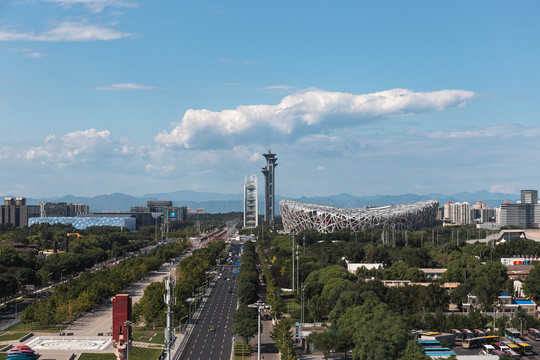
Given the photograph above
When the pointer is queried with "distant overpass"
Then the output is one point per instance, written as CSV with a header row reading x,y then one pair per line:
x,y
531,234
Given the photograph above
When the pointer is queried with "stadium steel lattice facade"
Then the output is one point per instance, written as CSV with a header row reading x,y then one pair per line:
x,y
297,216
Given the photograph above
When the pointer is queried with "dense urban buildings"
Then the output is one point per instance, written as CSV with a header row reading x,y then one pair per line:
x,y
170,212
269,186
525,214
251,202
15,211
297,216
463,213
51,209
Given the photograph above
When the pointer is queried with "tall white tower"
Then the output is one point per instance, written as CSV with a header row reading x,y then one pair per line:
x,y
251,202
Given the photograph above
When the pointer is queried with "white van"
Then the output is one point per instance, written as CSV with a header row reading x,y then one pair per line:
x,y
487,349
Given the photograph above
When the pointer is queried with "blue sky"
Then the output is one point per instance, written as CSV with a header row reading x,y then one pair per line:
x,y
385,97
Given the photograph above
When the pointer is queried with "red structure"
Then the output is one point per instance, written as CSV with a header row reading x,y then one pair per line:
x,y
121,314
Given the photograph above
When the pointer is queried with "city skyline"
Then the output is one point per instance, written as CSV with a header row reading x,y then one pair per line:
x,y
363,98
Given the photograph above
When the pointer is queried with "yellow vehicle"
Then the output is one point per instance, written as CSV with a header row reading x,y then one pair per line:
x,y
525,349
491,339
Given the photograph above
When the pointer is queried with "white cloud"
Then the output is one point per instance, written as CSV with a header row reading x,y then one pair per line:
x,y
303,113
67,31
279,87
78,147
494,131
30,53
124,87
94,5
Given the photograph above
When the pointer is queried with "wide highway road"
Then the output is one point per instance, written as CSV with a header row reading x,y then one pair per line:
x,y
211,337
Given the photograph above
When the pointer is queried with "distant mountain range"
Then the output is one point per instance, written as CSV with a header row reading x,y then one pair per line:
x,y
221,203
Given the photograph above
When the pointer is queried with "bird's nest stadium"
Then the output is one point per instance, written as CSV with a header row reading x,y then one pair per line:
x,y
297,216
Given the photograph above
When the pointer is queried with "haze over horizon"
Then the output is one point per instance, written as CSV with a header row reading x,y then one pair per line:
x,y
357,97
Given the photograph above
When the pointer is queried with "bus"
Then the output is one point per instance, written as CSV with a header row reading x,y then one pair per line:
x,y
515,347
467,334
474,343
458,334
430,343
479,333
533,334
512,354
487,349
500,346
490,339
428,350
525,349
512,334
443,354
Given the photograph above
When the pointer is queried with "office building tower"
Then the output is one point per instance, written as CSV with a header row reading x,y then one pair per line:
x,y
526,214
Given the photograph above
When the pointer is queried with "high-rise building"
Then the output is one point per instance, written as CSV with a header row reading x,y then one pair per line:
x,y
16,212
170,212
526,214
57,209
269,188
251,202
529,196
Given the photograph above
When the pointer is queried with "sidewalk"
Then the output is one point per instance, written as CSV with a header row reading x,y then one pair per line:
x,y
268,347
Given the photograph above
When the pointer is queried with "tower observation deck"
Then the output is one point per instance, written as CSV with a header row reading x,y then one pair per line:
x,y
269,189
251,202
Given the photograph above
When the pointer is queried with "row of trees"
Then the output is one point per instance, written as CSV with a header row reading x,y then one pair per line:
x,y
75,253
83,293
245,318
373,320
190,275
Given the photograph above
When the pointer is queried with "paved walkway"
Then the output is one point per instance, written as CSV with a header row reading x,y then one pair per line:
x,y
269,350
100,321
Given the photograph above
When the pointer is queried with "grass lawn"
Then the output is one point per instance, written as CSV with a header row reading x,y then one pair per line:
x,y
136,353
8,335
241,351
91,356
3,356
152,336
29,328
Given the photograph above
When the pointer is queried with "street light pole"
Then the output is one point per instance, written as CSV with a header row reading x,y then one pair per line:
x,y
259,306
259,337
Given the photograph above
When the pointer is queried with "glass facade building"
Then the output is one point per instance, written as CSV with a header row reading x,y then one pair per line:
x,y
82,223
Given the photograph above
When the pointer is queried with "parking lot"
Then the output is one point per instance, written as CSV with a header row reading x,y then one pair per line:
x,y
459,350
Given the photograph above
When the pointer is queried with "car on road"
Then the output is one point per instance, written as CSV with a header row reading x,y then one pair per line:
x,y
212,328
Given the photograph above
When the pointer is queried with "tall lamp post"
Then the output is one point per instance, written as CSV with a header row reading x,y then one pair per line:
x,y
156,215
259,306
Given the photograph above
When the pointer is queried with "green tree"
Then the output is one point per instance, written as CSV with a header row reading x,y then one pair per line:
x,y
281,334
489,283
323,341
531,286
245,322
414,351
8,256
8,285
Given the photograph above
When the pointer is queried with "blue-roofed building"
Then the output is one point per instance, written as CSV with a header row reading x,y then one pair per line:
x,y
81,223
508,305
